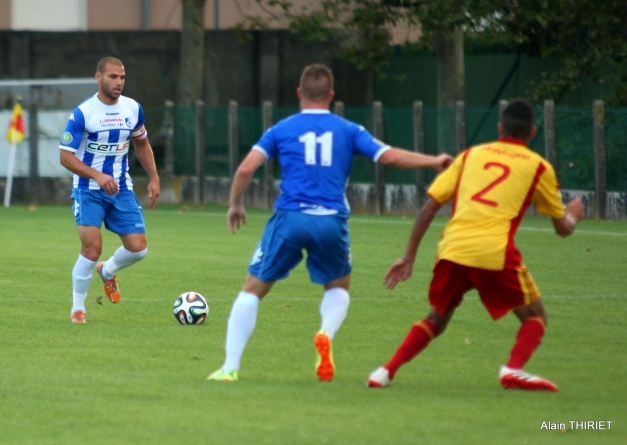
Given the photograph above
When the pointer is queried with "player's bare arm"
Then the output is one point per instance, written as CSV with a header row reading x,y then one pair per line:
x,y
402,269
146,158
575,212
241,181
405,159
76,166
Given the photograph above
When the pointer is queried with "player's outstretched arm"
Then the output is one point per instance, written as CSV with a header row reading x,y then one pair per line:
x,y
575,212
402,269
405,159
146,158
241,181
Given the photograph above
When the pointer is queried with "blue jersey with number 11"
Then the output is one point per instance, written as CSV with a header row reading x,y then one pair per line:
x,y
315,149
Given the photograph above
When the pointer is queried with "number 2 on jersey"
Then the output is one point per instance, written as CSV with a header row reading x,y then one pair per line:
x,y
479,195
326,147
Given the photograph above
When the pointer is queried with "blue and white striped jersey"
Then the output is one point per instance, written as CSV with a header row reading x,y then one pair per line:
x,y
315,149
99,135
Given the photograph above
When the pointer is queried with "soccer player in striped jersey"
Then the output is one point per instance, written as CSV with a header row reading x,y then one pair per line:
x,y
315,149
95,147
491,187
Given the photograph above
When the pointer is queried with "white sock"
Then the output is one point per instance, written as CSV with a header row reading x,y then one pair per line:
x,y
81,279
333,310
239,329
121,258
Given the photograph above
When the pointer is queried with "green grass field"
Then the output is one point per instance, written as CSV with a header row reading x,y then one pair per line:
x,y
133,375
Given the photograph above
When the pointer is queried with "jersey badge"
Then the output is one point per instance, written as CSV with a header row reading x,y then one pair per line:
x,y
128,122
67,138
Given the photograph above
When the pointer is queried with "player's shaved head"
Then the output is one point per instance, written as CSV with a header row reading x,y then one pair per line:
x,y
102,65
517,120
316,82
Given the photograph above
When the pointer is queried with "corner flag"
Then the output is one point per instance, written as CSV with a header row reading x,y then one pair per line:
x,y
15,134
16,130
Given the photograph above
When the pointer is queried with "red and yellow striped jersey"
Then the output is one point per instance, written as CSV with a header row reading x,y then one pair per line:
x,y
492,185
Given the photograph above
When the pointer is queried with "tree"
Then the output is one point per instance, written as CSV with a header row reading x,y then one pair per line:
x,y
192,52
588,36
438,22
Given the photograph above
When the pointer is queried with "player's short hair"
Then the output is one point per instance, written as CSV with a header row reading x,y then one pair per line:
x,y
316,82
102,64
517,119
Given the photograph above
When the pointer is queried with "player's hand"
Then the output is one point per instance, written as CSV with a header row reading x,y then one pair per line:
x,y
442,162
107,183
400,271
576,209
237,214
154,190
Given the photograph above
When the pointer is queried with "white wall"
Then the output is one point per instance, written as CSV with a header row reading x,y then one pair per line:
x,y
49,15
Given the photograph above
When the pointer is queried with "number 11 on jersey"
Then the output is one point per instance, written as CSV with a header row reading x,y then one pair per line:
x,y
310,141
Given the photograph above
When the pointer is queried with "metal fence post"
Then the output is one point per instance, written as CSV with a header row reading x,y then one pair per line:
x,y
233,138
168,128
33,130
460,126
600,162
550,133
419,147
338,108
379,169
199,109
267,119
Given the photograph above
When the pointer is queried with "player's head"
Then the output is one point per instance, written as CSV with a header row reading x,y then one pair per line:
x,y
102,64
517,121
110,76
316,84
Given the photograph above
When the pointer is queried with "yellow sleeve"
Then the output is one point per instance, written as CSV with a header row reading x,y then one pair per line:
x,y
547,197
443,187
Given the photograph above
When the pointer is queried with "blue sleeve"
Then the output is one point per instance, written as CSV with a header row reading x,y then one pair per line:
x,y
267,143
74,129
366,144
140,117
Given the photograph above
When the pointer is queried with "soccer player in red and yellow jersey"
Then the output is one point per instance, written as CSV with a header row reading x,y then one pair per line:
x,y
491,186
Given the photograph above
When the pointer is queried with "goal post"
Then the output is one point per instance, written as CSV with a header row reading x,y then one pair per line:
x,y
47,104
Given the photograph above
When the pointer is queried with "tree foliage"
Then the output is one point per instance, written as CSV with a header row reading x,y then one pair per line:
x,y
588,36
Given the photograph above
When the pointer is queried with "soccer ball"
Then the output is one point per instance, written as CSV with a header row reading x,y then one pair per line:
x,y
191,308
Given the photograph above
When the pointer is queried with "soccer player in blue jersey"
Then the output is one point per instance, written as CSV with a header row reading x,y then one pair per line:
x,y
95,148
315,149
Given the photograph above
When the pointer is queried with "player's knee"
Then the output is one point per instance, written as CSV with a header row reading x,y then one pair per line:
x,y
440,327
439,321
92,253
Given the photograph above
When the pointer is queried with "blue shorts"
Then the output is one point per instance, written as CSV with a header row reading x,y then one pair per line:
x,y
288,233
121,213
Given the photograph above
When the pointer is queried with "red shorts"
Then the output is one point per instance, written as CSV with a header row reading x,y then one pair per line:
x,y
500,290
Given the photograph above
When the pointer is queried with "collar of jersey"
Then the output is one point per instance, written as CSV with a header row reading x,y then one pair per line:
x,y
104,105
315,111
512,141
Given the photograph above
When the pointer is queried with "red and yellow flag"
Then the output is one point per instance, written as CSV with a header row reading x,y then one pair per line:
x,y
16,130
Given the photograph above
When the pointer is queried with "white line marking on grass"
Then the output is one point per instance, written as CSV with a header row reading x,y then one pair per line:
x,y
409,221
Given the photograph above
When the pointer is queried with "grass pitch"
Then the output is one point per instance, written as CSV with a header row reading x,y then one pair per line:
x,y
133,375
